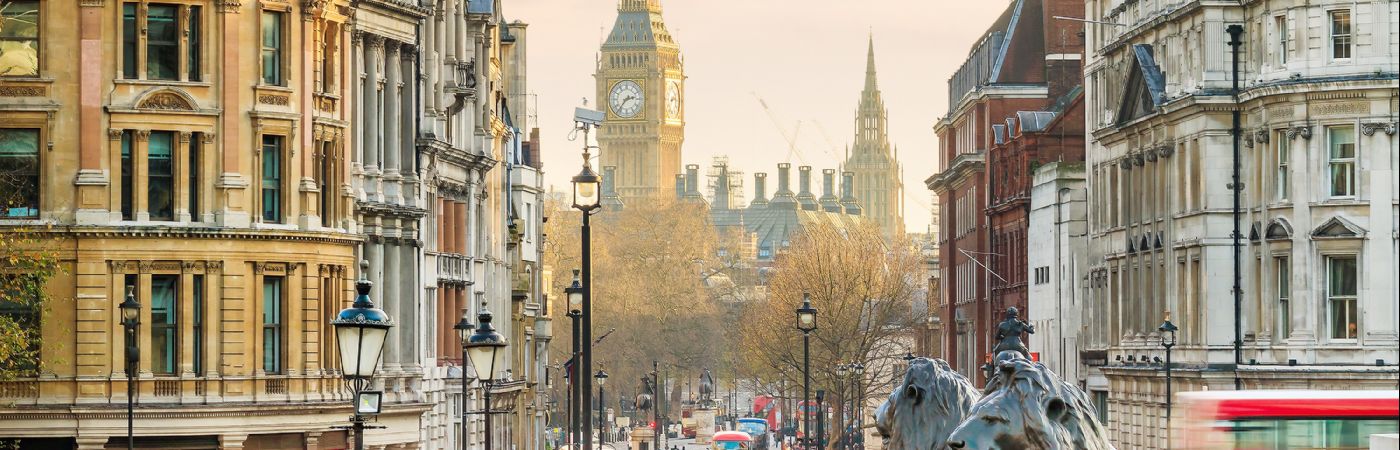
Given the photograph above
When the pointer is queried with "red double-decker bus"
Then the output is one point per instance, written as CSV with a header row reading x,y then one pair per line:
x,y
1286,419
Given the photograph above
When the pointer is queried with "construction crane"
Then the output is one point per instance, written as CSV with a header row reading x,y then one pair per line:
x,y
832,150
791,138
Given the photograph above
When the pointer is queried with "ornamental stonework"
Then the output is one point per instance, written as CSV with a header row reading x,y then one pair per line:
x,y
23,91
1334,109
274,99
166,101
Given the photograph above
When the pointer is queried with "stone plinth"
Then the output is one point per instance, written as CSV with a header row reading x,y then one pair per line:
x,y
641,439
704,425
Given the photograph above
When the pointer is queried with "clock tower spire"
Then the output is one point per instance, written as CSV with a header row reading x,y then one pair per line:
x,y
641,89
879,185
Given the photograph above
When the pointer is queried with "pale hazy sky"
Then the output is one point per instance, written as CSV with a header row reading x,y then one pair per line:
x,y
805,58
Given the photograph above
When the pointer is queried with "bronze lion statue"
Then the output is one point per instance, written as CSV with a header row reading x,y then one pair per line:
x,y
924,409
1028,407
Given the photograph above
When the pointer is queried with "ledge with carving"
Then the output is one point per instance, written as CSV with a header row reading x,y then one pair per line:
x,y
25,87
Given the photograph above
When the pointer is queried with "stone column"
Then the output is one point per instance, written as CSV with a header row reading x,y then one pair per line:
x,y
408,297
448,41
408,63
390,293
388,129
370,106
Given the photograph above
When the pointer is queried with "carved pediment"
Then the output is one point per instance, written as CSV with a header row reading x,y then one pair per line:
x,y
1254,231
1278,229
1338,227
167,99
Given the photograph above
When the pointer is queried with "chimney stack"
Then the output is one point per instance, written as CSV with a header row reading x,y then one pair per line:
x,y
680,185
804,184
829,202
760,186
783,197
848,197
692,180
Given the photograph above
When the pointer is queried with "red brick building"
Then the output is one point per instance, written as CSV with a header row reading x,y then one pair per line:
x,y
1024,62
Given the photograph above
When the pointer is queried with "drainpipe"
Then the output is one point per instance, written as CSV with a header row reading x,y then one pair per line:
x,y
1235,186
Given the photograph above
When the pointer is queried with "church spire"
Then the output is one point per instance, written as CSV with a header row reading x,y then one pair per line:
x,y
870,65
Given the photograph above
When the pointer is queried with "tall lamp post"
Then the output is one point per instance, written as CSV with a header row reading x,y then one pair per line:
x,y
821,420
602,377
464,329
841,371
858,370
575,294
131,321
1168,332
360,331
586,200
806,323
656,406
483,346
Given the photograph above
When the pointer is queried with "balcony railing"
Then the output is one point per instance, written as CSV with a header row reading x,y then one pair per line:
x,y
452,267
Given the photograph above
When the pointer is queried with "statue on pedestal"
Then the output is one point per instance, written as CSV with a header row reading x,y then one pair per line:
x,y
1009,334
707,388
648,393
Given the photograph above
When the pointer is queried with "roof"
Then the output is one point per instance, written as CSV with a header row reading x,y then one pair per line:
x,y
1033,121
480,6
1151,74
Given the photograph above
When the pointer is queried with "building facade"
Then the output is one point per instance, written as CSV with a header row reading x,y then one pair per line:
x,y
1316,210
255,154
879,180
1009,69
207,171
641,89
1056,259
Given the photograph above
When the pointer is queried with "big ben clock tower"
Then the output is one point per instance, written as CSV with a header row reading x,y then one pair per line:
x,y
641,88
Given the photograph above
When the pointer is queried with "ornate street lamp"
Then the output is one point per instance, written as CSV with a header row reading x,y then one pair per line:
x,y
575,294
586,199
483,348
464,329
806,323
361,330
602,377
858,370
131,322
842,370
1168,333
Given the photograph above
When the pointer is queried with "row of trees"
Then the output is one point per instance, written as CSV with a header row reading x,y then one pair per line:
x,y
669,286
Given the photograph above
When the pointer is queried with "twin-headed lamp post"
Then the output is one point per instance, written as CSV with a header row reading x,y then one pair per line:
x,y
361,330
806,323
587,200
483,346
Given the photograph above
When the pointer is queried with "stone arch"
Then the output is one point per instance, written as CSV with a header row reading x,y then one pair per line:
x,y
1279,229
164,98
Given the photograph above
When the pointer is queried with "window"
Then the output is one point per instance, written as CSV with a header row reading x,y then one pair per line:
x,y
1281,37
1281,156
197,307
1042,275
1341,34
160,175
272,48
1342,160
272,325
20,306
272,179
161,41
19,172
19,38
1341,296
1282,271
128,189
165,326
192,171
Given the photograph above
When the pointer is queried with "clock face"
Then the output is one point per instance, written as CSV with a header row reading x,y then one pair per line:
x,y
625,99
673,99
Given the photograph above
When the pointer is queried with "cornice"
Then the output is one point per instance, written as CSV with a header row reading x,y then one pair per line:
x,y
182,232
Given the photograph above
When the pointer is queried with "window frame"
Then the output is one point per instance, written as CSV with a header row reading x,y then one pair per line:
x,y
280,185
1283,158
171,327
1283,292
1332,35
276,355
38,40
190,26
1281,40
1332,299
171,178
280,52
38,174
1349,162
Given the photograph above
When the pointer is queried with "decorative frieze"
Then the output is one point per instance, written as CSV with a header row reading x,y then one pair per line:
x,y
1334,109
274,99
168,101
23,91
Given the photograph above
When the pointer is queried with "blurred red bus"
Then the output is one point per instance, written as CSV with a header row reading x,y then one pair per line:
x,y
1286,419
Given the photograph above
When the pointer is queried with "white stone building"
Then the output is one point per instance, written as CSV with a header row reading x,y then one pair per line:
x,y
1318,102
1056,257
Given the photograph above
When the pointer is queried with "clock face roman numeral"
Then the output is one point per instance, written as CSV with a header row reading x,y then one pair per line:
x,y
626,99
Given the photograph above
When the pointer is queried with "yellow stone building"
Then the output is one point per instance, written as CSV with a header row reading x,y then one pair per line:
x,y
196,152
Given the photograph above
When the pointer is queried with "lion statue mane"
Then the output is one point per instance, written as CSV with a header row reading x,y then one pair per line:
x,y
1026,407
924,409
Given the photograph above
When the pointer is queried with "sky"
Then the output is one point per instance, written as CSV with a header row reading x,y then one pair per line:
x,y
805,58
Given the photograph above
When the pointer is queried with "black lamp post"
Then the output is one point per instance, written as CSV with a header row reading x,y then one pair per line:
x,y
131,321
1168,332
602,377
842,419
821,421
586,199
806,323
575,294
464,329
361,330
484,347
656,426
859,370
